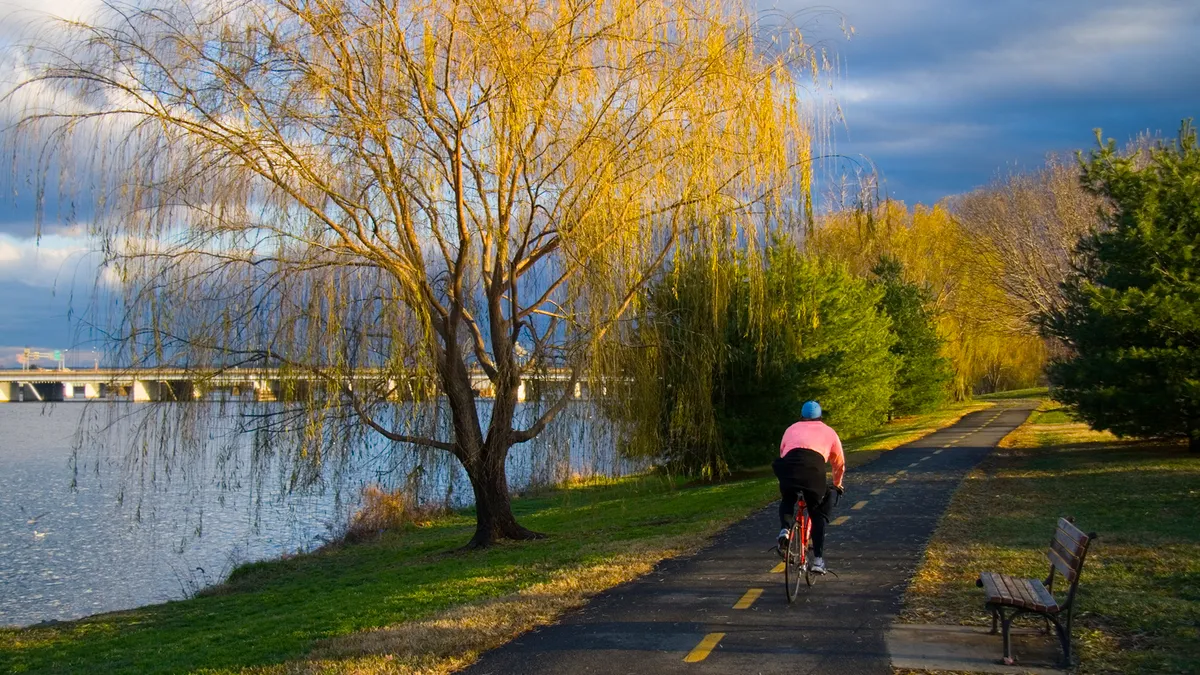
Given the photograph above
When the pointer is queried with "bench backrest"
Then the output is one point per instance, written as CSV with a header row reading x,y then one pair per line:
x,y
1067,550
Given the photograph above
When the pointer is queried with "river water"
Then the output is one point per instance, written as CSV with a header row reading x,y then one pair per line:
x,y
81,534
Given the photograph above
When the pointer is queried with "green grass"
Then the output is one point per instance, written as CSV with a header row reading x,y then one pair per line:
x,y
408,595
1139,594
273,612
1052,413
1033,392
907,429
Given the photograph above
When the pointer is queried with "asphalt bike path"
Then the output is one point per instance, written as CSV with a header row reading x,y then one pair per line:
x,y
723,609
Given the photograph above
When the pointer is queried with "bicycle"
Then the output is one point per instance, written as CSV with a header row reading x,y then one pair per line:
x,y
797,559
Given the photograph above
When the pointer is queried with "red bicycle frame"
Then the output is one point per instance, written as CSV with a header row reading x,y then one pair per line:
x,y
805,529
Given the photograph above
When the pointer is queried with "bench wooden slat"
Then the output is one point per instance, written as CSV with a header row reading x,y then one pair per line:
x,y
1033,598
994,586
1028,593
1070,555
989,586
1015,593
1072,538
1064,568
1069,528
1045,597
1069,543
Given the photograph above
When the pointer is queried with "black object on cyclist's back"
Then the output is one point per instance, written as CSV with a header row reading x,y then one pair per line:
x,y
803,471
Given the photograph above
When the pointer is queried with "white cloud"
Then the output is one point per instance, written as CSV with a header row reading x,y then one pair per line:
x,y
54,262
21,18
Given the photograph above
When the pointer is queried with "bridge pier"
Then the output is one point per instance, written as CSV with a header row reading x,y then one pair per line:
x,y
10,392
90,389
266,390
144,391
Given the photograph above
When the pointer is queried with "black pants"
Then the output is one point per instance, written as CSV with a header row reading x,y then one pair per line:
x,y
818,512
802,472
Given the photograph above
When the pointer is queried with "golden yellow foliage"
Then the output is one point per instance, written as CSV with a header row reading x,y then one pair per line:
x,y
986,340
392,200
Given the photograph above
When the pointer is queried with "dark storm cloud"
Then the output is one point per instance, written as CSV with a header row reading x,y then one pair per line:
x,y
944,95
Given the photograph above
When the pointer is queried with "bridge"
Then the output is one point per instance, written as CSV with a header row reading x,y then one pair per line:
x,y
177,384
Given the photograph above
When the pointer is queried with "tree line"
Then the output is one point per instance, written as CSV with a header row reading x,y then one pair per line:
x,y
1079,274
620,189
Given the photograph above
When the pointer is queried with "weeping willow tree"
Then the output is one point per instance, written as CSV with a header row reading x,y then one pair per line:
x,y
399,199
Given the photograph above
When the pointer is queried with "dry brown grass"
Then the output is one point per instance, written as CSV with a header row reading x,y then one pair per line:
x,y
455,638
1136,611
383,510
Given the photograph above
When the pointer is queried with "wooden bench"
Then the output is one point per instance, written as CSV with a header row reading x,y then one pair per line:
x,y
1010,597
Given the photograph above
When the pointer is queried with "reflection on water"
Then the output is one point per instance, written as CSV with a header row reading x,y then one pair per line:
x,y
120,539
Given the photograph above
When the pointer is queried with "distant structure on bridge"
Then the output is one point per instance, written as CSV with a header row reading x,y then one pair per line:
x,y
27,357
166,384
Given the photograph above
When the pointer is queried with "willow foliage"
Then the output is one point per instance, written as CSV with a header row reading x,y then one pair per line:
x,y
399,199
735,367
987,342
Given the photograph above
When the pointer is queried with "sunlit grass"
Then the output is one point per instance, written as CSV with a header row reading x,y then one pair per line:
x,y
907,429
410,602
1032,392
1139,597
405,586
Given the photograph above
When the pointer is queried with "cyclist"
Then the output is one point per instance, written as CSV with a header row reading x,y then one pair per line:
x,y
806,446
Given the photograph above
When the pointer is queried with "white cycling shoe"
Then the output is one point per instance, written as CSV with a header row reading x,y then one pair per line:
x,y
783,539
818,566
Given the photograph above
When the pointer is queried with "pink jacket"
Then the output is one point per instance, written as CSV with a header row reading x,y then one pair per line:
x,y
819,437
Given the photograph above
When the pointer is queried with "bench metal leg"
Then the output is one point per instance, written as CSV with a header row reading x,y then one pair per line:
x,y
1064,637
995,621
1064,640
1005,626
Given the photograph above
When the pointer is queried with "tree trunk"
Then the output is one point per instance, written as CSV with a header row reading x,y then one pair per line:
x,y
494,519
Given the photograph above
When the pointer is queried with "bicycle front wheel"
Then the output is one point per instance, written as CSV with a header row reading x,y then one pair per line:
x,y
795,565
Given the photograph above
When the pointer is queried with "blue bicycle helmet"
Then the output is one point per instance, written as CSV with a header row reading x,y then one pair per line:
x,y
810,411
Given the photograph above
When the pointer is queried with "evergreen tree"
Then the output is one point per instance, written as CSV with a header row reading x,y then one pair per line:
x,y
822,338
733,361
923,374
1132,307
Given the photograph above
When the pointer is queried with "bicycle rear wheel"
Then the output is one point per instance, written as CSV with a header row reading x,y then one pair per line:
x,y
795,565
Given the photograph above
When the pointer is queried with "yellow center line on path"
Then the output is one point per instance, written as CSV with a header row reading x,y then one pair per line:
x,y
703,649
938,452
890,480
876,492
858,506
923,458
912,465
748,599
839,520
777,569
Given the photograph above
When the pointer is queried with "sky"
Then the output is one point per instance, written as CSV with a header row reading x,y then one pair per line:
x,y
939,96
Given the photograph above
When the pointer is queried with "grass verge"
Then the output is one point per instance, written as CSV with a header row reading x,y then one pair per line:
x,y
1032,392
907,429
403,604
1139,595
